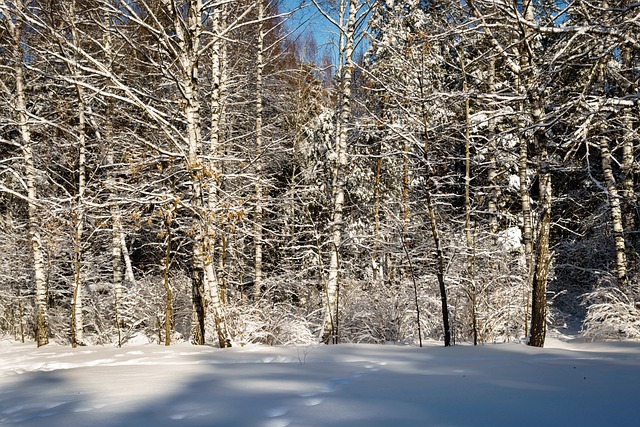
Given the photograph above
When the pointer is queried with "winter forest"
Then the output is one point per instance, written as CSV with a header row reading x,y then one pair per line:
x,y
214,171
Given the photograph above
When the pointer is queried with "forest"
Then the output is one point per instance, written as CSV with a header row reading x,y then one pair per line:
x,y
208,171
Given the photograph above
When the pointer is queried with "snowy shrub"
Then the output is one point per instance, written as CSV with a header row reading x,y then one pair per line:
x,y
12,316
145,305
503,315
373,315
378,312
274,325
612,314
276,318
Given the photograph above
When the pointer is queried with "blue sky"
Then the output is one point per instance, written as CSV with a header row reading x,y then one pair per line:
x,y
325,33
310,20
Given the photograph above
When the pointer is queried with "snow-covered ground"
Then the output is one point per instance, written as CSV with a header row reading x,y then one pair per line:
x,y
564,384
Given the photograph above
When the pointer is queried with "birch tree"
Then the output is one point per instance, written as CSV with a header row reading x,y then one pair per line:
x,y
181,42
14,26
604,94
258,219
532,90
346,26
69,14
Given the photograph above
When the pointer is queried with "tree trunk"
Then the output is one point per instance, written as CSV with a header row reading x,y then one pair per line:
x,y
433,222
14,25
472,292
188,38
198,305
628,148
168,310
330,328
526,82
216,146
527,227
114,209
77,319
131,278
258,216
77,324
116,266
441,268
628,184
543,258
492,174
405,187
530,81
203,275
616,212
377,261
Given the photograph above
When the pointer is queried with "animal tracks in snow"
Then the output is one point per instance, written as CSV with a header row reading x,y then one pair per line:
x,y
313,401
276,419
276,412
276,415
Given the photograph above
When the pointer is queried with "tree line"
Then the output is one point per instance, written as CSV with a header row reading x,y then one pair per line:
x,y
198,170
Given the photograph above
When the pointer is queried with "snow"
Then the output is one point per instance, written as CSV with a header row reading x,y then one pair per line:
x,y
565,383
510,239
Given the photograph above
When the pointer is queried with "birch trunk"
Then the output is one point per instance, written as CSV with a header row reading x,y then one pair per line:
x,y
525,81
258,227
14,24
118,242
405,187
116,266
527,227
472,291
615,199
168,310
628,148
542,260
131,278
492,174
77,319
217,101
77,325
189,44
203,274
377,263
616,212
216,235
42,315
215,286
117,234
628,184
330,329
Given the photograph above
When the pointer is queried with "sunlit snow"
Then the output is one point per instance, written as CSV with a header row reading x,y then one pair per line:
x,y
564,384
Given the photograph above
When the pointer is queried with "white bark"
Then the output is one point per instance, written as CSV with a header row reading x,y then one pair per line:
x,y
116,265
330,328
118,241
11,16
77,319
616,212
258,227
492,175
628,184
628,146
203,270
525,73
125,255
